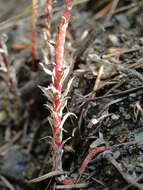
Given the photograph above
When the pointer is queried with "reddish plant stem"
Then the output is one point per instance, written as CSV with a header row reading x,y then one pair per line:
x,y
48,14
84,165
34,32
89,157
48,17
7,66
70,181
61,35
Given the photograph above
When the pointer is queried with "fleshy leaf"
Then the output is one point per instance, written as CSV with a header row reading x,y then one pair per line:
x,y
65,118
47,70
68,87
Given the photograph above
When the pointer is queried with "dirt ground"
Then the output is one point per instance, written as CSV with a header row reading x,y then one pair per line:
x,y
105,43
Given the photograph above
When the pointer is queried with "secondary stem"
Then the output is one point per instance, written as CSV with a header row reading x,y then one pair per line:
x,y
61,36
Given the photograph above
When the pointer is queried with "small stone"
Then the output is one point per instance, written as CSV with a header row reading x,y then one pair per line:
x,y
113,39
3,115
97,142
140,146
128,86
127,117
18,165
115,117
123,20
133,95
94,121
121,109
116,154
131,168
139,136
141,41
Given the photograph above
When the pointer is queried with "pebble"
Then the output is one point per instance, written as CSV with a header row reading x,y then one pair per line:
x,y
115,117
